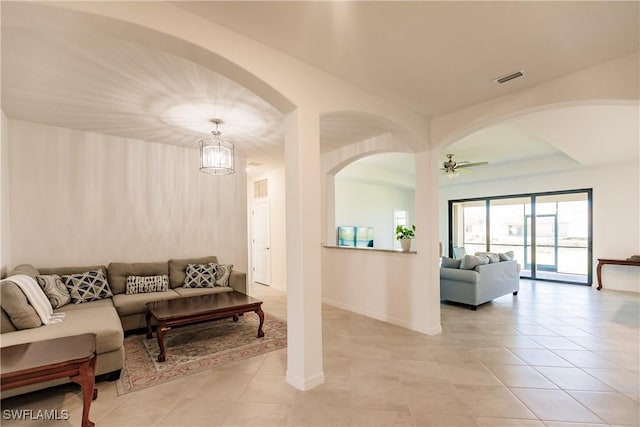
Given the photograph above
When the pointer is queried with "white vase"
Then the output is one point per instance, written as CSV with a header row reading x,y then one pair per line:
x,y
406,245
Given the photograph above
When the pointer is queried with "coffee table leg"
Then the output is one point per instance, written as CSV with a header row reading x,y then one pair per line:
x,y
260,314
161,329
148,318
86,379
235,317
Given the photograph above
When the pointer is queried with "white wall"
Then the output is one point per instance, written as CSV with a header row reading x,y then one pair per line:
x,y
80,198
400,288
371,205
5,243
275,179
616,211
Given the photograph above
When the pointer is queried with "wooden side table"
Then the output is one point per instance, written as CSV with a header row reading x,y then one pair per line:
x,y
603,261
73,357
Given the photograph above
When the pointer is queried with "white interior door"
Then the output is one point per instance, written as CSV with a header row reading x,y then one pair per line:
x,y
261,242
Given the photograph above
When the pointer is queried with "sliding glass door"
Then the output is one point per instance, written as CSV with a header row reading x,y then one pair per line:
x,y
562,237
507,228
549,233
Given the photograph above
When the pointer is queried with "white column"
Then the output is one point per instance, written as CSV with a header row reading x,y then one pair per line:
x,y
427,289
303,202
329,208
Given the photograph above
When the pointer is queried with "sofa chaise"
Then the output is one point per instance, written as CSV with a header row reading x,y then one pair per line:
x,y
108,318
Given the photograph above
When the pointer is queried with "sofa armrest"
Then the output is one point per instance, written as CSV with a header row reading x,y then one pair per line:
x,y
458,275
238,281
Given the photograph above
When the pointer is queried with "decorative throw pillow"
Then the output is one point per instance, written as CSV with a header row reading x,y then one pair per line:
x,y
88,286
200,276
146,284
469,262
54,289
450,262
507,256
493,258
222,272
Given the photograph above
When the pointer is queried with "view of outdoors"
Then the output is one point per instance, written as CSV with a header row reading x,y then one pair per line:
x,y
549,234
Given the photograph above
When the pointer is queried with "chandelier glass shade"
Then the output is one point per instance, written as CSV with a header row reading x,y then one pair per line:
x,y
216,155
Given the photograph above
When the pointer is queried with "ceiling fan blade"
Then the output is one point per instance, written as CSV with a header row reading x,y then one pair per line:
x,y
472,164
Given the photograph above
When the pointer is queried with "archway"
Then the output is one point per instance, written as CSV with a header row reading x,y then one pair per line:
x,y
558,147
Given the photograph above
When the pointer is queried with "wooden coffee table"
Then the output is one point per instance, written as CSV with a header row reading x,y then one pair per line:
x,y
31,363
183,311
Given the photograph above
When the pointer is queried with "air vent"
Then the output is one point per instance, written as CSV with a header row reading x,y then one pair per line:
x,y
510,76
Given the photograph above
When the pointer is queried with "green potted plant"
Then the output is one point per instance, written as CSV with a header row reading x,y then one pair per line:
x,y
405,234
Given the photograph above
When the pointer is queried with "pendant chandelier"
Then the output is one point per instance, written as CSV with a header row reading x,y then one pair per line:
x,y
216,155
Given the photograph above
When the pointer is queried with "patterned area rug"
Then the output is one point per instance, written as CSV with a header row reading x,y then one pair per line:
x,y
194,348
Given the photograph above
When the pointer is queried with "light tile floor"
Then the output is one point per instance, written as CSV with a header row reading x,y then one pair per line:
x,y
555,355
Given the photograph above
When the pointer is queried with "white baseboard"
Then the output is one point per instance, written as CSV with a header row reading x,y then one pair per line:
x,y
398,322
305,384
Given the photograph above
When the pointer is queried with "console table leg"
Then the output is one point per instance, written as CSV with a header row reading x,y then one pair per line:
x,y
599,272
86,379
260,314
160,331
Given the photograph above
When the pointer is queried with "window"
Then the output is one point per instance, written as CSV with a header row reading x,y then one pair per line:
x,y
399,218
549,233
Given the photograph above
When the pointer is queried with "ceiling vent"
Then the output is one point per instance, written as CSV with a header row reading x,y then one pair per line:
x,y
510,77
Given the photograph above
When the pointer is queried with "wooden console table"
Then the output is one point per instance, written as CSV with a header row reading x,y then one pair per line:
x,y
31,363
603,261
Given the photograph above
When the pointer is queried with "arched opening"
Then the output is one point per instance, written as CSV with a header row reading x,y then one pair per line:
x,y
547,154
373,195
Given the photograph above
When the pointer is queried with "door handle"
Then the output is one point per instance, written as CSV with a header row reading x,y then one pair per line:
x,y
267,248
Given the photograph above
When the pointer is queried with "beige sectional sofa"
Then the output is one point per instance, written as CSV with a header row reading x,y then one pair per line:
x,y
107,318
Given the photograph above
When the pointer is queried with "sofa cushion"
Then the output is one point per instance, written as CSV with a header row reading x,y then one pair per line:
x,y
55,290
507,256
450,262
135,304
26,269
102,321
493,257
200,276
5,323
146,284
119,271
178,268
469,262
85,306
62,271
15,304
192,292
87,286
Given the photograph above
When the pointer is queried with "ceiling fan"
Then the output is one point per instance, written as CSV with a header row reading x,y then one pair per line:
x,y
451,168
